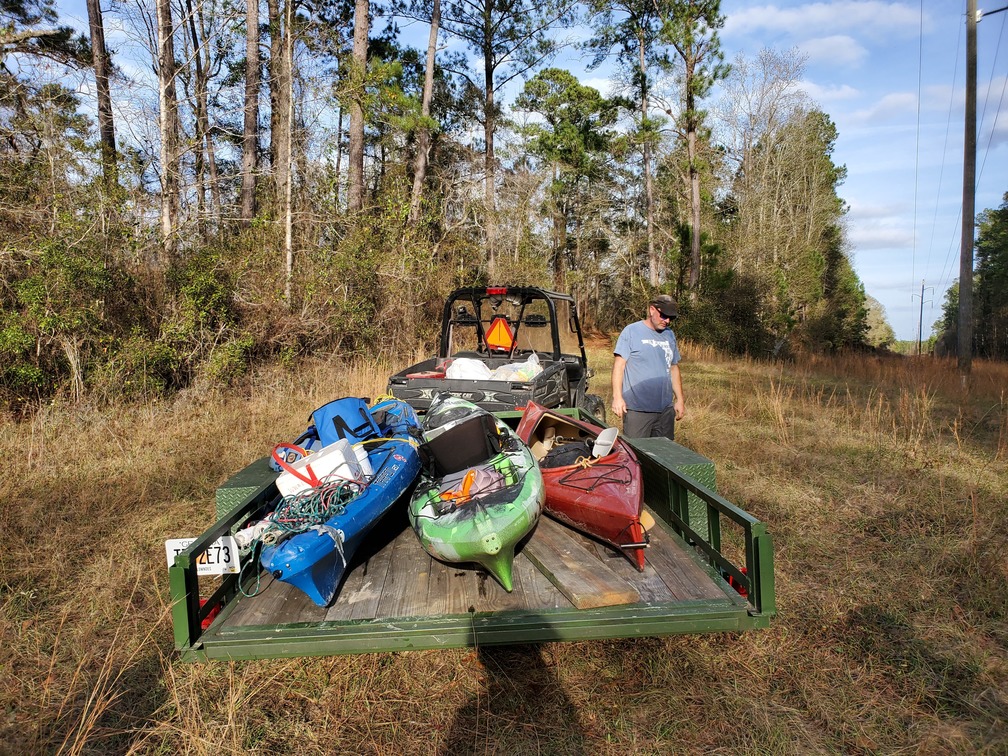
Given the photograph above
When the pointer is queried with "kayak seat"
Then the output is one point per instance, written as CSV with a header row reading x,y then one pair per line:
x,y
466,443
348,418
565,454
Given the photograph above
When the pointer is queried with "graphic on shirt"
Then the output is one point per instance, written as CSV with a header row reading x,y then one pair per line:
x,y
665,346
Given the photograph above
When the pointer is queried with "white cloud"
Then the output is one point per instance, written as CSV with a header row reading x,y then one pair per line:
x,y
861,212
994,136
835,50
993,91
830,93
884,282
941,97
879,226
872,236
869,18
888,108
603,85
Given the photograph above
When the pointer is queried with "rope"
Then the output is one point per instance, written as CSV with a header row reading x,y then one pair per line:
x,y
411,441
308,510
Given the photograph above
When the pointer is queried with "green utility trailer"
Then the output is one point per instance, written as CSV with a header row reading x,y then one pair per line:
x,y
709,569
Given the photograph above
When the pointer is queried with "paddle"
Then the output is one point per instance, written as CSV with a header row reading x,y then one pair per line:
x,y
604,442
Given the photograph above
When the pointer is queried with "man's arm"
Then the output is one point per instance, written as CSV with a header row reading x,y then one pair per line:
x,y
680,402
618,405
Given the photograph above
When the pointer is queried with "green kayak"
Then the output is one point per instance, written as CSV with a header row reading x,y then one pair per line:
x,y
480,490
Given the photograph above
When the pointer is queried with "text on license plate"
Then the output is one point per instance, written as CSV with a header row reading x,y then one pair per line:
x,y
220,557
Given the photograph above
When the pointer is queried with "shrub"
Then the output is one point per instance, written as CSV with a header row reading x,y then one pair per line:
x,y
139,368
231,360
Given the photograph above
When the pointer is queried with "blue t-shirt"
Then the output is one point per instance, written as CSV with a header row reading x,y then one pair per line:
x,y
649,355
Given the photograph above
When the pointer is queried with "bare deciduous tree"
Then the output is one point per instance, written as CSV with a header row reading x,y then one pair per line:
x,y
168,123
250,125
358,73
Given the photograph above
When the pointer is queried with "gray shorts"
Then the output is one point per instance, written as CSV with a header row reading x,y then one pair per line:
x,y
649,424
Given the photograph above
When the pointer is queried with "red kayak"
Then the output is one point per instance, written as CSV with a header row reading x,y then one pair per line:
x,y
598,495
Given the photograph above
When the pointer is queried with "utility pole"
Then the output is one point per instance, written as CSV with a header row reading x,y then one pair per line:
x,y
965,345
920,322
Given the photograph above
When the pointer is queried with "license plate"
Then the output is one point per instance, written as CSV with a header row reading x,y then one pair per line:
x,y
220,558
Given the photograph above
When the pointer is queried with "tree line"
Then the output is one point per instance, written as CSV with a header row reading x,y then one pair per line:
x,y
281,178
990,292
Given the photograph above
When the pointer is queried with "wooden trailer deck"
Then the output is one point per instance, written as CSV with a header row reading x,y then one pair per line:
x,y
402,581
566,585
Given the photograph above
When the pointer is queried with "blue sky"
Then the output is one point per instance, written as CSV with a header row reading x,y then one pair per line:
x,y
891,75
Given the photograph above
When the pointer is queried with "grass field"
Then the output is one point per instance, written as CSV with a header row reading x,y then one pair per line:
x,y
884,483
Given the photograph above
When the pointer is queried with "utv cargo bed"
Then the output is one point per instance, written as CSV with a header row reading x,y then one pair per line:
x,y
484,332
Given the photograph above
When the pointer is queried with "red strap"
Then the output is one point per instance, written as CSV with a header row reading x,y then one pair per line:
x,y
311,479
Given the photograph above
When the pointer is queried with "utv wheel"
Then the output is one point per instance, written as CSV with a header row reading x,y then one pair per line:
x,y
593,404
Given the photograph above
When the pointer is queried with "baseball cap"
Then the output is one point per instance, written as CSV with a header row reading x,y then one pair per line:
x,y
666,305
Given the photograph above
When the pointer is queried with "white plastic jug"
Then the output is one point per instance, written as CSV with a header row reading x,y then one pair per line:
x,y
362,459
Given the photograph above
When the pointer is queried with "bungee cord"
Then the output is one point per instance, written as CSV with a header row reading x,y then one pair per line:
x,y
308,510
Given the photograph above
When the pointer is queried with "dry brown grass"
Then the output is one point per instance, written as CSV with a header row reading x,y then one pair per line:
x,y
883,484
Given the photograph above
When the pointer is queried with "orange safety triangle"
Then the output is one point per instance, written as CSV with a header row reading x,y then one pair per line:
x,y
499,336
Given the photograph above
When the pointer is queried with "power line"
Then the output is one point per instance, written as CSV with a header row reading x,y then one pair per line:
x,y
941,172
920,68
997,112
964,352
965,329
947,274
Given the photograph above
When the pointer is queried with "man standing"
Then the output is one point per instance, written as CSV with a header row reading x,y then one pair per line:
x,y
646,383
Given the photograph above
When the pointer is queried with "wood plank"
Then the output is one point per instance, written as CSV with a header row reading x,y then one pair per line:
x,y
254,610
539,592
275,603
681,573
455,586
649,585
353,584
586,583
365,578
362,602
300,608
437,587
557,568
404,593
491,596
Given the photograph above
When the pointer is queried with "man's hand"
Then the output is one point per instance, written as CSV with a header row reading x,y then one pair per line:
x,y
680,403
618,406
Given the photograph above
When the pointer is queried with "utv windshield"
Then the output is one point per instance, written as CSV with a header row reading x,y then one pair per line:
x,y
510,324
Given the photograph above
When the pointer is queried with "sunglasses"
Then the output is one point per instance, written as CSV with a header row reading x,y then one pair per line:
x,y
662,315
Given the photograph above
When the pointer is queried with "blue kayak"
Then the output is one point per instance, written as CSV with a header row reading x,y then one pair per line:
x,y
315,559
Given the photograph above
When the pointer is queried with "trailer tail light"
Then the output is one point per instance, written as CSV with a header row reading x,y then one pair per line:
x,y
496,291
